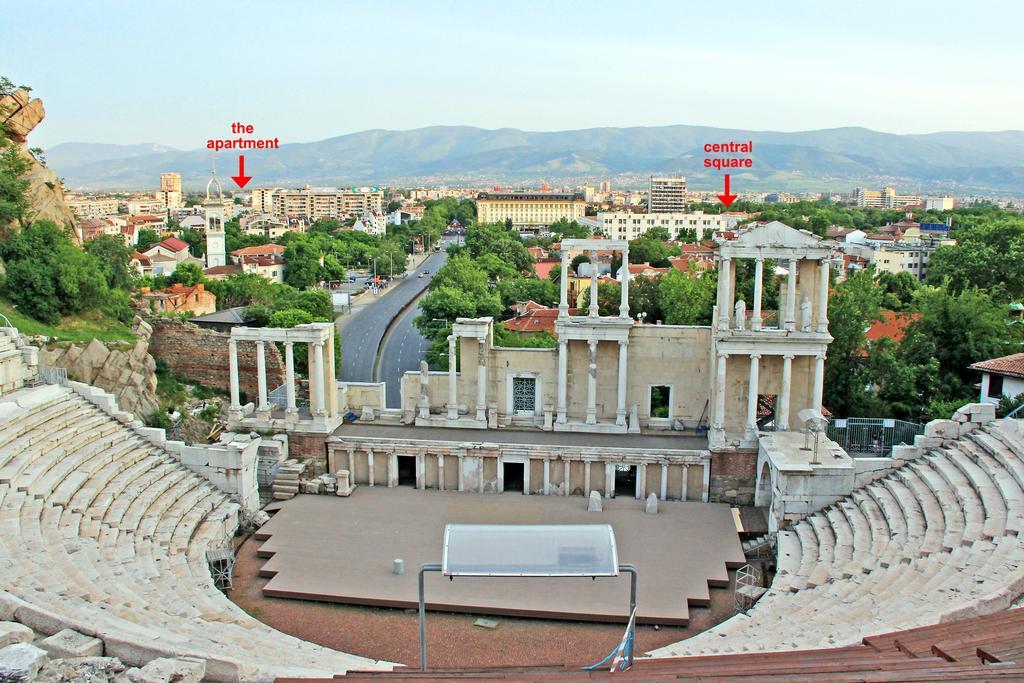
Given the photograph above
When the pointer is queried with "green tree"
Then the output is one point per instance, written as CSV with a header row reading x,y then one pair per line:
x,y
48,276
658,233
686,300
14,204
187,274
853,306
113,259
646,250
302,263
146,239
899,289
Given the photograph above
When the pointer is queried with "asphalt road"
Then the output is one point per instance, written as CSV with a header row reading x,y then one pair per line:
x,y
363,333
403,350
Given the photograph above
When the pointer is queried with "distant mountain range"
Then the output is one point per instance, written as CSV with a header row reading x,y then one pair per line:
x,y
835,159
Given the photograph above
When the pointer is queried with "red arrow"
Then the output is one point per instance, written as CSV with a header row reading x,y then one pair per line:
x,y
242,180
727,198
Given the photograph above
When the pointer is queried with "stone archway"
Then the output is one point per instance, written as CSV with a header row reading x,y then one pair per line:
x,y
763,491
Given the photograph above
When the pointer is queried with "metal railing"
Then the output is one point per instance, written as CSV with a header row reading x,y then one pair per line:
x,y
872,435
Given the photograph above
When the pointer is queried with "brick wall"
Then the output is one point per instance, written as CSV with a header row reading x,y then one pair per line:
x,y
201,355
733,476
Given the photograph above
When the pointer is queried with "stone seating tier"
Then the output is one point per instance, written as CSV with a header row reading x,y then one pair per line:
x,y
935,538
103,533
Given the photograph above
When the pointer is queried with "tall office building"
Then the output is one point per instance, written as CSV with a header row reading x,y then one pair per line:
x,y
667,195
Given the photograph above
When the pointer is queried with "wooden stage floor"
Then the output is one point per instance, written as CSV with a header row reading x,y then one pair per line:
x,y
335,549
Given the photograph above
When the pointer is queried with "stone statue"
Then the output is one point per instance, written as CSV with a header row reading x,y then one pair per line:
x,y
634,419
805,315
424,403
741,314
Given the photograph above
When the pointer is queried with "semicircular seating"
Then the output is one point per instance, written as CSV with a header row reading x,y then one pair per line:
x,y
103,533
934,539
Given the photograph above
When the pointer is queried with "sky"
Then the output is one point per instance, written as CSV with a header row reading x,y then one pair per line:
x,y
179,73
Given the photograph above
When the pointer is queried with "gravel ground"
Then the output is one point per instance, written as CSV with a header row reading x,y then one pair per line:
x,y
452,639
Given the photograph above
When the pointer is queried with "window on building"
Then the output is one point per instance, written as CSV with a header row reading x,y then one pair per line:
x,y
995,386
661,401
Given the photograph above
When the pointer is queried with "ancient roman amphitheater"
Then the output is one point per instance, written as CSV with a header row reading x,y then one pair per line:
x,y
106,528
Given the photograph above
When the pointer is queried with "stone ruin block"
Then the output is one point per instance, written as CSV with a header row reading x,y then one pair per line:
x,y
942,429
68,643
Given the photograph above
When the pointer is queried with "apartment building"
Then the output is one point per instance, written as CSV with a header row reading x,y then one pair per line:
x,y
944,203
146,205
886,198
92,207
666,194
170,182
529,210
315,203
623,225
260,198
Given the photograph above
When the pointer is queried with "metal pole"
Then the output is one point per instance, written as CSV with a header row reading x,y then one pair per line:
x,y
632,606
423,614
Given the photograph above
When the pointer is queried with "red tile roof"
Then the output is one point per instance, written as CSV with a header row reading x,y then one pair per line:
x,y
537,320
173,244
1011,366
544,268
893,325
260,250
223,270
141,258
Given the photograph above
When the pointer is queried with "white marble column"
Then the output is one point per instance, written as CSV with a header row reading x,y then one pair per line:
x,y
592,383
719,422
823,295
563,379
609,480
684,477
289,377
620,402
261,377
624,285
791,294
752,385
421,471
567,471
782,413
440,471
586,477
705,488
724,298
236,401
318,383
663,484
755,320
369,466
593,310
563,286
462,471
481,382
547,476
499,473
526,477
351,464
392,470
819,381
641,481
453,388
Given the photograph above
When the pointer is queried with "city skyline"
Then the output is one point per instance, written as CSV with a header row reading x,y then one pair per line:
x,y
892,68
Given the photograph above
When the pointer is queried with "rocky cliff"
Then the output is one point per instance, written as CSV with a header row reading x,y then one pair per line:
x,y
127,373
19,114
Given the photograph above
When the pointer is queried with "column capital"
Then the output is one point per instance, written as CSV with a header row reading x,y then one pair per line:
x,y
289,344
755,356
788,356
820,356
722,355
